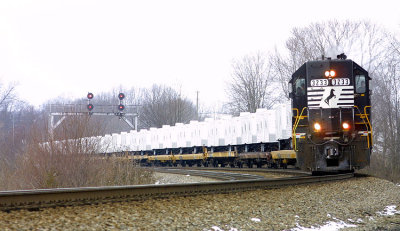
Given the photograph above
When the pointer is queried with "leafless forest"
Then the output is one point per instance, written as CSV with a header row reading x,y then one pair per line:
x,y
259,80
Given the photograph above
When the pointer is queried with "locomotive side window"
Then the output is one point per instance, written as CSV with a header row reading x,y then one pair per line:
x,y
299,87
360,84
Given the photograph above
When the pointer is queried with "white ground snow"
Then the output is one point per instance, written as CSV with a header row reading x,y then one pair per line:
x,y
256,219
389,211
330,226
216,228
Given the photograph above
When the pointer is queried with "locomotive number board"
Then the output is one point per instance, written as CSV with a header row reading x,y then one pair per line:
x,y
325,82
341,82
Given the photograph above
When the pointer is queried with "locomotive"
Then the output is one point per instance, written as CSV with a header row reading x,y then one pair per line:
x,y
331,123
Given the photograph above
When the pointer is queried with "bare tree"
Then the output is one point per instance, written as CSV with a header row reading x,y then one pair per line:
x,y
386,105
251,85
7,94
362,41
163,105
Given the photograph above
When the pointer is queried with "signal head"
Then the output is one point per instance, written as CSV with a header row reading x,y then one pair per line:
x,y
90,95
121,96
90,106
121,107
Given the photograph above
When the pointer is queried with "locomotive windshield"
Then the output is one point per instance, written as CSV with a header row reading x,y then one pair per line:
x,y
360,84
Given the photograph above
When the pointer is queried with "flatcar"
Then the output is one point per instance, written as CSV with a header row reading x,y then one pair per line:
x,y
273,155
331,115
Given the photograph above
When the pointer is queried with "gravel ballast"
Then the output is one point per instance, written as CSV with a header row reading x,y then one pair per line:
x,y
361,203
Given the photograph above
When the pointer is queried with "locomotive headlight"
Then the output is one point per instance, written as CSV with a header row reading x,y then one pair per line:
x,y
346,126
317,127
330,73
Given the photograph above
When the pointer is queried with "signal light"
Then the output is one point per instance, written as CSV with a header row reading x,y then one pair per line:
x,y
121,107
317,127
332,73
121,96
90,95
346,126
327,73
90,106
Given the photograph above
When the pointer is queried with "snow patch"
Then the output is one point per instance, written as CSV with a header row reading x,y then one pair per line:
x,y
187,175
216,228
256,219
157,182
389,211
359,220
330,226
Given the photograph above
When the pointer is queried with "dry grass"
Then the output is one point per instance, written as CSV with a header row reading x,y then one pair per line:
x,y
381,167
72,163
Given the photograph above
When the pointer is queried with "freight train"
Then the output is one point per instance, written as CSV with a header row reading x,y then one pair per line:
x,y
331,115
327,128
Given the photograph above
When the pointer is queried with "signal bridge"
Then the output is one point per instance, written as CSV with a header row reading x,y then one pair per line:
x,y
120,110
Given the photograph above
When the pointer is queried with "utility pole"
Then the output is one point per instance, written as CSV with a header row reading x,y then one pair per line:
x,y
197,105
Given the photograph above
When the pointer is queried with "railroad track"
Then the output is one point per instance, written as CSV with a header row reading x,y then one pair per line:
x,y
40,198
204,172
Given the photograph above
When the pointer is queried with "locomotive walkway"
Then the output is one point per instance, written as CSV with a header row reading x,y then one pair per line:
x,y
232,182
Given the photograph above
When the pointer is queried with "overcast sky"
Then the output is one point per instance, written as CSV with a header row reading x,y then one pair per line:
x,y
67,48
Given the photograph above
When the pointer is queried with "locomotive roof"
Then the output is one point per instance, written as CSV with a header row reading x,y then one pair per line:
x,y
304,66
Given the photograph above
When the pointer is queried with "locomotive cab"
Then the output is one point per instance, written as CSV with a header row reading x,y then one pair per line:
x,y
331,115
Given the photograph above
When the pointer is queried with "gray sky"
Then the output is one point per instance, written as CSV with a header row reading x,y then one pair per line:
x,y
67,48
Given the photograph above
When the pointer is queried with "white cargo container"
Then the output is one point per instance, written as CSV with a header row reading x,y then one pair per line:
x,y
262,126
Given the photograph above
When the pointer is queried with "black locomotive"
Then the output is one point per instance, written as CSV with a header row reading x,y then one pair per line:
x,y
331,115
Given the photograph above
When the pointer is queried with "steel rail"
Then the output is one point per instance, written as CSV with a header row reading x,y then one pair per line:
x,y
35,199
220,175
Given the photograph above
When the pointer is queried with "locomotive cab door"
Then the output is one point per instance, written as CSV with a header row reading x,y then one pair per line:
x,y
362,118
299,94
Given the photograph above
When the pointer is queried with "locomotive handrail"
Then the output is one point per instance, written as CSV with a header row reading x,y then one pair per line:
x,y
293,129
296,123
370,126
367,125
